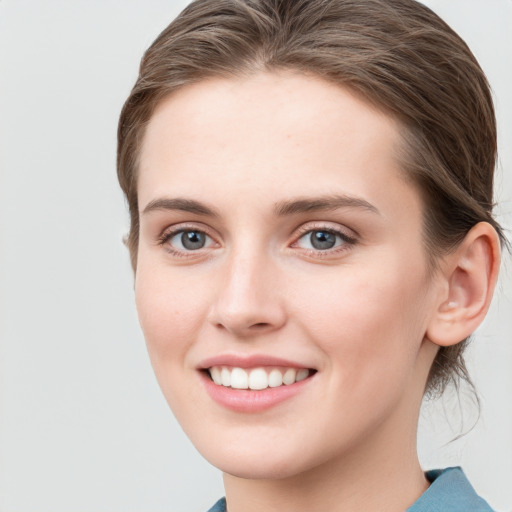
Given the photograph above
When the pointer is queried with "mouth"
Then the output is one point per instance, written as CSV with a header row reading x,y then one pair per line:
x,y
251,384
258,378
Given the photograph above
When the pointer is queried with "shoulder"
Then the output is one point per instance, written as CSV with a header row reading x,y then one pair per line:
x,y
449,491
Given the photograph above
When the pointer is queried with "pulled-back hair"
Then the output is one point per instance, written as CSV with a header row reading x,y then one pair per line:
x,y
397,54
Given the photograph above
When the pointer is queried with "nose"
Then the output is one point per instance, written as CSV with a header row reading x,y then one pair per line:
x,y
249,301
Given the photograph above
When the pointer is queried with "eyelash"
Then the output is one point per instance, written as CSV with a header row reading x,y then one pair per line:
x,y
167,236
347,241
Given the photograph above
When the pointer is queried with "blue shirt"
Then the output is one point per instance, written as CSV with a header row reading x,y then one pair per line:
x,y
449,491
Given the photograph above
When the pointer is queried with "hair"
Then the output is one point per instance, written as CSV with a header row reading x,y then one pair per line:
x,y
397,54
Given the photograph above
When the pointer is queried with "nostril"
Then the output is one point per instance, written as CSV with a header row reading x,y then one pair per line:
x,y
260,325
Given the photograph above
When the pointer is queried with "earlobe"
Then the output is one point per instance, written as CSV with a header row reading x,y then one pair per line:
x,y
468,277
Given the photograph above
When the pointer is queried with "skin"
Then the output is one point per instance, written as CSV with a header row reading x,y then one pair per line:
x,y
358,313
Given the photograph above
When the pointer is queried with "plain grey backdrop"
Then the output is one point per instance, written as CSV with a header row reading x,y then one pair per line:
x,y
83,425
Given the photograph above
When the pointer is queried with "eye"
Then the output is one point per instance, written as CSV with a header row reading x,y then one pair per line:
x,y
188,240
323,240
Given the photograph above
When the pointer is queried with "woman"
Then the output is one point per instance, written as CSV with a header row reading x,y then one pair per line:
x,y
310,190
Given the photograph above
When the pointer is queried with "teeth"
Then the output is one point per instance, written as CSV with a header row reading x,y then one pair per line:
x,y
239,379
257,378
289,376
301,374
216,375
275,378
225,377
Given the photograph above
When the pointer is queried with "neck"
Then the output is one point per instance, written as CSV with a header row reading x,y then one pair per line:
x,y
391,480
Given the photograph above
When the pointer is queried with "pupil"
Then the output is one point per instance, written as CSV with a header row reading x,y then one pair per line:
x,y
323,240
193,240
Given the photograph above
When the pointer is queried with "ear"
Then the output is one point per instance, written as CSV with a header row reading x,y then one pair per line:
x,y
467,280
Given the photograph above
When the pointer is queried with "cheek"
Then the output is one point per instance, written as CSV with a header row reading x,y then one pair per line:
x,y
370,328
370,322
170,312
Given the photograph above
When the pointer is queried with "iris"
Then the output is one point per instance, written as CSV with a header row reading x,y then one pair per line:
x,y
322,240
193,240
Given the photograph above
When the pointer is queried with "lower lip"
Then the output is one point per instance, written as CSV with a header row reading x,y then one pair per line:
x,y
246,400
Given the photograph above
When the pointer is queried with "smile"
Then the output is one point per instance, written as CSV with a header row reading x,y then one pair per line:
x,y
251,384
256,379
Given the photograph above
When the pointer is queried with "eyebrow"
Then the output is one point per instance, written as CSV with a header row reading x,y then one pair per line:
x,y
283,208
322,203
181,204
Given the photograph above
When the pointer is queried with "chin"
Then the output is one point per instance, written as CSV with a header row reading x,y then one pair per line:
x,y
261,461
260,469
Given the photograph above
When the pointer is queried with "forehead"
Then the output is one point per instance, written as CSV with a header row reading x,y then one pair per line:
x,y
266,135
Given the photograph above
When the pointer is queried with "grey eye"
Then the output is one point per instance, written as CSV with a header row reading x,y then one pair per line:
x,y
190,240
322,240
193,240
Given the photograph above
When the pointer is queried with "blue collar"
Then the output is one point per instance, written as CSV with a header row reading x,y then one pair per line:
x,y
220,506
449,491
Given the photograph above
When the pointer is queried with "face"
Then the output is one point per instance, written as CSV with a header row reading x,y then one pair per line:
x,y
281,283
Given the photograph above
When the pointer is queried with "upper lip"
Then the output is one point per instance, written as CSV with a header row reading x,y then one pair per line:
x,y
251,361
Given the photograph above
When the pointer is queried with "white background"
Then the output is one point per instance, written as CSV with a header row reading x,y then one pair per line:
x,y
83,425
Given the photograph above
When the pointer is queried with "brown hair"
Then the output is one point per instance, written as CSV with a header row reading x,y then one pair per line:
x,y
398,54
